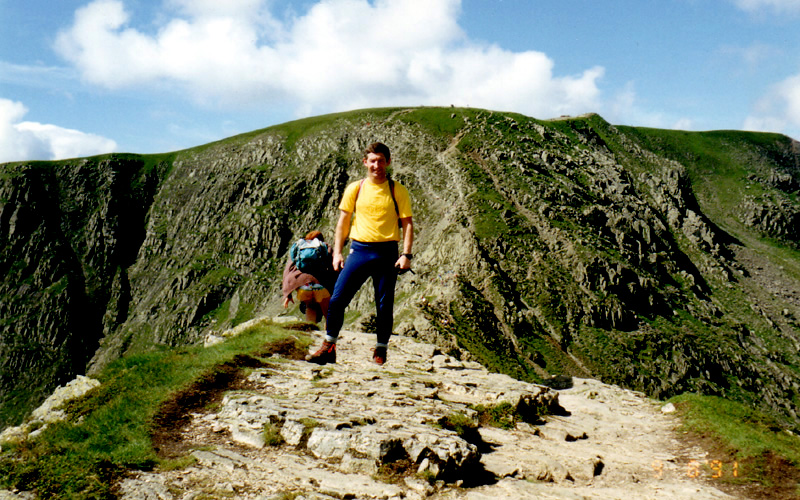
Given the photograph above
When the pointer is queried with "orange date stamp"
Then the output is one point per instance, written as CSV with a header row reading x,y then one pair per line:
x,y
714,469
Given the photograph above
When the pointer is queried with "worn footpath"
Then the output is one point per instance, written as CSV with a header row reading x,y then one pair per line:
x,y
357,430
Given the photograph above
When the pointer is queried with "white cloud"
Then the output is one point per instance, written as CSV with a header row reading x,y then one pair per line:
x,y
624,108
49,77
777,6
22,141
778,110
752,56
215,8
683,124
340,54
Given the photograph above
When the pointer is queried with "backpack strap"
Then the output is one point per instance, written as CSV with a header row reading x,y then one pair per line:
x,y
358,190
394,200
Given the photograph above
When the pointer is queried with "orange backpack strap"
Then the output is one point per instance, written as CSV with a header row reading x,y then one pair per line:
x,y
358,190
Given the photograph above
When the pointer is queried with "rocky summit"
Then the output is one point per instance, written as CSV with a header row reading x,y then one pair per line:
x,y
357,430
661,261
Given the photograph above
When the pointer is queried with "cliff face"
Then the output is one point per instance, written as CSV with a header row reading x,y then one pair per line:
x,y
69,231
662,261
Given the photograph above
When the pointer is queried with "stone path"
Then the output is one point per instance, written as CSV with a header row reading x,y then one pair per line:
x,y
357,430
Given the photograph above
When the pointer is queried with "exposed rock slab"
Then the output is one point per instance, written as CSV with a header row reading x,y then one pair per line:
x,y
343,425
50,411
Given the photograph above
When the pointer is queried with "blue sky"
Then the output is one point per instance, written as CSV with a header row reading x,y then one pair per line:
x,y
83,77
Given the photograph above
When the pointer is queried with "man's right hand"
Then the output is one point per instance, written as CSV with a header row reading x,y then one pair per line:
x,y
338,262
340,237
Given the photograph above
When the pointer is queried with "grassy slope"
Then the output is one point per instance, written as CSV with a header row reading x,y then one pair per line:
x,y
111,429
721,166
137,176
719,163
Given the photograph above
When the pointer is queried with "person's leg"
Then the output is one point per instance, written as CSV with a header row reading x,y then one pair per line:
x,y
313,311
384,279
354,274
321,300
350,280
311,316
323,305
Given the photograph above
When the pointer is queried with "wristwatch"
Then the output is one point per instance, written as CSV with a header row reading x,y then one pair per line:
x,y
408,256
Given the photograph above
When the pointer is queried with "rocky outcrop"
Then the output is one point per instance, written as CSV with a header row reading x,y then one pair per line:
x,y
355,430
50,411
543,248
777,218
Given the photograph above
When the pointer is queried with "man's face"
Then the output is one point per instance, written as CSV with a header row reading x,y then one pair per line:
x,y
376,167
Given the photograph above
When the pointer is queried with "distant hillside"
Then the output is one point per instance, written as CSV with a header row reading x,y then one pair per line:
x,y
663,261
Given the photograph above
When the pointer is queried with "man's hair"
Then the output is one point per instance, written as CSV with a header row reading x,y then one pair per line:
x,y
379,148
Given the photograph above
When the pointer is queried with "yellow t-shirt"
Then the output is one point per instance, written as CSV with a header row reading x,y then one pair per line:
x,y
375,219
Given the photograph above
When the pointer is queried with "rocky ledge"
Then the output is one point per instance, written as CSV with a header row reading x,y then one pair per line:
x,y
408,429
357,430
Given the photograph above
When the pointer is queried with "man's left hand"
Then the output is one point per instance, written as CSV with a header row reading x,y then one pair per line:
x,y
403,262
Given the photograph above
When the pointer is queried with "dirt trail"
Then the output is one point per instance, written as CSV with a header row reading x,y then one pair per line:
x,y
615,444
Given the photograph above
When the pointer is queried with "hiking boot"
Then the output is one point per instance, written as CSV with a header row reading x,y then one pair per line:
x,y
379,355
325,354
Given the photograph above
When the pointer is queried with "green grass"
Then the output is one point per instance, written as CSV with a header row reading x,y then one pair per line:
x,y
502,415
272,434
717,163
296,130
111,427
459,423
475,325
243,314
445,122
762,452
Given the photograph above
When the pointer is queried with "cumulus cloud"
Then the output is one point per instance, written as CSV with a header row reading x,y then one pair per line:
x,y
683,124
753,56
776,6
22,141
625,108
340,54
779,109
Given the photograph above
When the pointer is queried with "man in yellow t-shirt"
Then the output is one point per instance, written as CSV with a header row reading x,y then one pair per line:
x,y
378,209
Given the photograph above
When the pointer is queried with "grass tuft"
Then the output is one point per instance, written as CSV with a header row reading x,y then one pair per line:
x,y
272,434
503,415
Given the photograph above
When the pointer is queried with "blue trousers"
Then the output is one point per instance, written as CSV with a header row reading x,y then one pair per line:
x,y
366,260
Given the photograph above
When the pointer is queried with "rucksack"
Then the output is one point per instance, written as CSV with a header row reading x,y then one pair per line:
x,y
309,255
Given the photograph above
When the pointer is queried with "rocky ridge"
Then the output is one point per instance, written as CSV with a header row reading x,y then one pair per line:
x,y
543,248
356,430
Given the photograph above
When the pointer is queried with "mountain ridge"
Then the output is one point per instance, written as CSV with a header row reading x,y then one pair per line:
x,y
544,247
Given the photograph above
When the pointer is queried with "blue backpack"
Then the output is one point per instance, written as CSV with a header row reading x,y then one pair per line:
x,y
309,255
